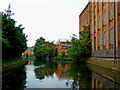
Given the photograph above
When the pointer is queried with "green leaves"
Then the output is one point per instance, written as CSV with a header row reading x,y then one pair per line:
x,y
81,47
44,50
13,38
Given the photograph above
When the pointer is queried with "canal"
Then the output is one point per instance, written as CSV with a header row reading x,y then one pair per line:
x,y
47,74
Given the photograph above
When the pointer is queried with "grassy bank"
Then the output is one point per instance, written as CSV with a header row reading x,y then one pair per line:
x,y
13,61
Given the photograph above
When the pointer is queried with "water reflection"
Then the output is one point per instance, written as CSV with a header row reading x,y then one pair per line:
x,y
48,74
14,79
75,76
81,76
72,75
104,78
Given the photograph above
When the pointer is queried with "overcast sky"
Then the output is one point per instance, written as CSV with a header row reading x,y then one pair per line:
x,y
51,19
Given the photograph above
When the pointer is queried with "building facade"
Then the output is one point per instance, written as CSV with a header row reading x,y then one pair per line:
x,y
84,17
105,29
63,45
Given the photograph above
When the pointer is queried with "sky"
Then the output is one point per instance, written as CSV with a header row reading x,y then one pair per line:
x,y
50,19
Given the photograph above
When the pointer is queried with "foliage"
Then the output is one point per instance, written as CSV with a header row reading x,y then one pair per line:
x,y
45,69
81,48
13,61
13,38
44,50
62,54
65,58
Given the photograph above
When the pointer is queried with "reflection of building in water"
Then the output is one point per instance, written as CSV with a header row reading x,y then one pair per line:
x,y
104,78
99,81
30,61
61,71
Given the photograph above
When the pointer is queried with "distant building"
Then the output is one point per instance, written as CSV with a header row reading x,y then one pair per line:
x,y
63,45
29,51
104,21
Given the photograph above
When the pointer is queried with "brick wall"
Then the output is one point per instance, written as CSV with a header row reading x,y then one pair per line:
x,y
84,17
109,53
103,53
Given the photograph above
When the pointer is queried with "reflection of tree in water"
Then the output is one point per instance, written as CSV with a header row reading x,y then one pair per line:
x,y
81,76
79,73
14,79
48,70
40,73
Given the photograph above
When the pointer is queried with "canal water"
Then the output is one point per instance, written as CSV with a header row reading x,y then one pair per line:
x,y
48,74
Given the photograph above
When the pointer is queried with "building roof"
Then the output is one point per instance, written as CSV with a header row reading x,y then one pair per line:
x,y
63,40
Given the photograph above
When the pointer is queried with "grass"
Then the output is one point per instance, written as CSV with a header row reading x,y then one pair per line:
x,y
13,61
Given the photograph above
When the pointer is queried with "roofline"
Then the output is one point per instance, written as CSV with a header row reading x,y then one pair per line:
x,y
84,8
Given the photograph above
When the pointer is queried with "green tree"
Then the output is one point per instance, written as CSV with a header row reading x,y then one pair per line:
x,y
81,48
13,38
39,49
44,50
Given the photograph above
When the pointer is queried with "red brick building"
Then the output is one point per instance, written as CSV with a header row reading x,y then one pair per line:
x,y
63,45
84,17
105,28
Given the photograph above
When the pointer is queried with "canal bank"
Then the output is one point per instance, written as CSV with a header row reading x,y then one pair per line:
x,y
110,63
14,64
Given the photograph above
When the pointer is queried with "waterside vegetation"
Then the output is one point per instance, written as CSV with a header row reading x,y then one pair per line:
x,y
44,50
13,61
79,51
81,48
13,39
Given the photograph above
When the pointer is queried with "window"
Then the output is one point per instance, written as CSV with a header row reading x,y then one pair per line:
x,y
92,16
111,12
104,17
104,39
92,43
95,44
104,1
99,5
98,42
59,50
95,11
99,23
65,47
95,27
111,37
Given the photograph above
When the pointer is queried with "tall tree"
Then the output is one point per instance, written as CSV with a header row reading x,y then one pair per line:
x,y
13,38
